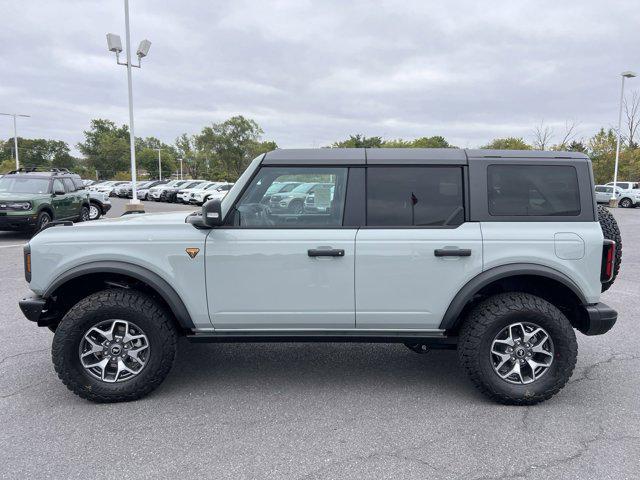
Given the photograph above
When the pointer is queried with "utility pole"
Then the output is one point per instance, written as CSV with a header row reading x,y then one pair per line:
x,y
15,134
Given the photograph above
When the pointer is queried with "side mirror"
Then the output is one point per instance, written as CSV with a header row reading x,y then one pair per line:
x,y
58,192
212,213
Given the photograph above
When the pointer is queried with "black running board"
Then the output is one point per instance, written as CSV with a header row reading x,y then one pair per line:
x,y
433,336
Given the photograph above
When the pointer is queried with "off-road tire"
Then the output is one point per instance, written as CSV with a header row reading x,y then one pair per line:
x,y
130,305
493,314
611,231
43,219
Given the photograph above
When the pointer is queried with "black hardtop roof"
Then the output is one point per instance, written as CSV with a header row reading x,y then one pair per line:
x,y
379,156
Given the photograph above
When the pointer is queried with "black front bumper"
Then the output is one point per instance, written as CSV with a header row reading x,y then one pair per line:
x,y
32,307
18,222
599,318
36,309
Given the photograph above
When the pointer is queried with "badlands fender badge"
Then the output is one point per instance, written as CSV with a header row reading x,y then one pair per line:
x,y
192,252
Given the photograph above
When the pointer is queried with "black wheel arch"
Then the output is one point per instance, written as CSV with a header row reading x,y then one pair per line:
x,y
546,282
88,278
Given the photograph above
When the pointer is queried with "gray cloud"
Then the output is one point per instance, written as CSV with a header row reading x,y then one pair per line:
x,y
311,72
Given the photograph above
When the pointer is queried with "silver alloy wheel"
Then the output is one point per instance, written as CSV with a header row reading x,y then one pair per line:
x,y
521,353
114,350
94,212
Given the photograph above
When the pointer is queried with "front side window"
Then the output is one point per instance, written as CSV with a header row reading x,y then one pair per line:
x,y
533,190
414,196
58,186
69,186
316,201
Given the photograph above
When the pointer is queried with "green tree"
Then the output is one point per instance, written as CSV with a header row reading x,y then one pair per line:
x,y
147,156
436,141
359,141
39,152
508,143
602,149
224,150
106,147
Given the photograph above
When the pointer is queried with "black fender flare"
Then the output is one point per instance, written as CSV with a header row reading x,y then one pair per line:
x,y
155,281
466,293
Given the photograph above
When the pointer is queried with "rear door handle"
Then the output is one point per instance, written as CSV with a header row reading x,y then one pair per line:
x,y
452,252
325,252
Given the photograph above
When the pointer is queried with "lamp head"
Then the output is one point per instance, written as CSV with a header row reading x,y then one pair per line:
x,y
114,43
143,48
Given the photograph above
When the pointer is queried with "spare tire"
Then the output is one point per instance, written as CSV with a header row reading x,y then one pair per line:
x,y
611,232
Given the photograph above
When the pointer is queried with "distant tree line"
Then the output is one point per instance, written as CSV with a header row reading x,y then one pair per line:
x,y
223,150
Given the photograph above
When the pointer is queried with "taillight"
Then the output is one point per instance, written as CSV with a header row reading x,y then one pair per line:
x,y
27,262
608,260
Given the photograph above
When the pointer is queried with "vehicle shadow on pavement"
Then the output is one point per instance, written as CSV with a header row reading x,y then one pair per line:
x,y
16,236
310,366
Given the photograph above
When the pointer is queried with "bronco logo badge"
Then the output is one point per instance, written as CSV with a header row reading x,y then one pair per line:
x,y
192,252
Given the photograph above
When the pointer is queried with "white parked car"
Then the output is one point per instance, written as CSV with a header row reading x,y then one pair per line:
x,y
107,187
217,190
630,194
184,194
158,193
603,193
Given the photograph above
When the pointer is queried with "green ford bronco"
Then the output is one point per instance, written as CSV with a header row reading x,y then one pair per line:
x,y
30,199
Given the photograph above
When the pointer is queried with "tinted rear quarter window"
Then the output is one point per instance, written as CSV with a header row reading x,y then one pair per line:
x,y
533,190
414,196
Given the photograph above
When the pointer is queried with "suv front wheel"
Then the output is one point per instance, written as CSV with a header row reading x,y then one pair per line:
x,y
518,349
115,345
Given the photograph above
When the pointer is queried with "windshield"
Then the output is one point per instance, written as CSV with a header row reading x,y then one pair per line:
x,y
212,186
24,185
304,188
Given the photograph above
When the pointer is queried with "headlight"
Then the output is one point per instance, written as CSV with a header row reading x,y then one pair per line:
x,y
18,206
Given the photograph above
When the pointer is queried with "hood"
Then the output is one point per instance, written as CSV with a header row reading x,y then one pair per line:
x,y
142,219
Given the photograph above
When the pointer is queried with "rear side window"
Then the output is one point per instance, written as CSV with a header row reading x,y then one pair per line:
x,y
533,190
414,196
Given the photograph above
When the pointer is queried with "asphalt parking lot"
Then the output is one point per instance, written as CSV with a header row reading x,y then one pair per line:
x,y
270,411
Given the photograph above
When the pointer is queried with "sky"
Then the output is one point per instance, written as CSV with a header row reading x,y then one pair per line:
x,y
313,72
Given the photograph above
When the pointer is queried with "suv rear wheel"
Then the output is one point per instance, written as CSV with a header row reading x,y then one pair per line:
x,y
85,214
115,345
626,203
517,348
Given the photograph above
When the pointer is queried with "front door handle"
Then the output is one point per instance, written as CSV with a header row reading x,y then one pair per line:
x,y
325,252
452,252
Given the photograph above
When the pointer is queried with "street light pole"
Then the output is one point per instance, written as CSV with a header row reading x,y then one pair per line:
x,y
613,201
159,163
180,169
115,45
132,137
15,134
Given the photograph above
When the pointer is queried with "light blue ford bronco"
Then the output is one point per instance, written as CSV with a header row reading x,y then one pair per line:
x,y
501,255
